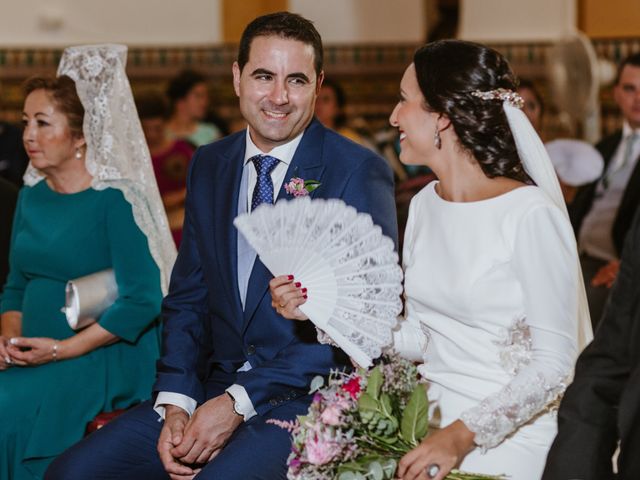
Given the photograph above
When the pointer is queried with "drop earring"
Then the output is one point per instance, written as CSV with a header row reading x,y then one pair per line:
x,y
437,141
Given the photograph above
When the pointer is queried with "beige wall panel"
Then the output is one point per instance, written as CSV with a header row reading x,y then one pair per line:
x,y
53,23
236,14
610,18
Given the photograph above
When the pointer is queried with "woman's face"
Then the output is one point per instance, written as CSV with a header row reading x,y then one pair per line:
x,y
532,108
47,137
327,108
197,101
416,125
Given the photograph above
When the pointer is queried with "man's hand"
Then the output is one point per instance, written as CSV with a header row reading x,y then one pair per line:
x,y
207,431
606,275
171,435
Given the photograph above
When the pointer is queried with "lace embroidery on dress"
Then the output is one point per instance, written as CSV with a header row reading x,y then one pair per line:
x,y
503,412
117,155
516,343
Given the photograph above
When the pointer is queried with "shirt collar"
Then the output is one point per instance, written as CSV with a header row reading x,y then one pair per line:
x,y
284,152
627,130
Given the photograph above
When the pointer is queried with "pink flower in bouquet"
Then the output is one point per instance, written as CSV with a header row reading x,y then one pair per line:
x,y
332,415
296,187
353,387
321,449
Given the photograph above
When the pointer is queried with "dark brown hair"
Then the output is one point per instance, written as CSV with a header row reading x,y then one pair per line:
x,y
284,25
62,91
448,71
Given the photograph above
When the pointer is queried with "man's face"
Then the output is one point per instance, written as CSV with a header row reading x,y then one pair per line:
x,y
627,94
277,88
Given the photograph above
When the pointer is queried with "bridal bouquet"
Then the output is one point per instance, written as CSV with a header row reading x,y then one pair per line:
x,y
360,424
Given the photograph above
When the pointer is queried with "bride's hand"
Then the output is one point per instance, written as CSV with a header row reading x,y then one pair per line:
x,y
438,453
286,296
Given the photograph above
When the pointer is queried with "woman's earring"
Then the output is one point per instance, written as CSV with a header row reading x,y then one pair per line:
x,y
437,141
78,153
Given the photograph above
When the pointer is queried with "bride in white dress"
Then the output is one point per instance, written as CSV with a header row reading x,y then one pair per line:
x,y
494,300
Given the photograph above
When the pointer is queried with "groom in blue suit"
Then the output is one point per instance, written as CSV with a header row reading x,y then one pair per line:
x,y
229,361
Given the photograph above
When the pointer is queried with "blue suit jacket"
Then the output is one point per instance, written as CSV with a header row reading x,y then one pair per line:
x,y
207,335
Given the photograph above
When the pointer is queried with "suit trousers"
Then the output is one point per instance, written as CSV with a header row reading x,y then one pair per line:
x,y
125,449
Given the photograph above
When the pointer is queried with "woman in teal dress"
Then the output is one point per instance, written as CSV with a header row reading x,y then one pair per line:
x,y
74,218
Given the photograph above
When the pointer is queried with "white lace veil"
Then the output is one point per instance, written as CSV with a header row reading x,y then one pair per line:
x,y
538,166
117,155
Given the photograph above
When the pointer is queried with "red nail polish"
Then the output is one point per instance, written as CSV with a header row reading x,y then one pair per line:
x,y
290,277
304,296
298,284
304,290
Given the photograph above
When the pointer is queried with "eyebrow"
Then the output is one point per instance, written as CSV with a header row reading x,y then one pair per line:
x,y
35,115
264,71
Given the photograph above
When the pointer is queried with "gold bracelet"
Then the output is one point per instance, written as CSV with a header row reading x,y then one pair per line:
x,y
55,351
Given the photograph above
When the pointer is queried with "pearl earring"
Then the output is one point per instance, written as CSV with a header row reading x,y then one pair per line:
x,y
78,153
437,141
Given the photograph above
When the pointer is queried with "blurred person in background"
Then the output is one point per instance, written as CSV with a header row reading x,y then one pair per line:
x,y
189,103
603,210
170,158
13,158
533,104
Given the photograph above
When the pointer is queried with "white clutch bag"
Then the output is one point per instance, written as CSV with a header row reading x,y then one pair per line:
x,y
86,298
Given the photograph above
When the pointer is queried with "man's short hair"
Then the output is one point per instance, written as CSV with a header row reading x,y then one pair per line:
x,y
633,59
284,25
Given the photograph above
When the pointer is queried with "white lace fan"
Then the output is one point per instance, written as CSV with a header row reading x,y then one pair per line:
x,y
350,269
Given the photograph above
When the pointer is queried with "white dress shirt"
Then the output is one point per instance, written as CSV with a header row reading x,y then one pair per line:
x,y
284,153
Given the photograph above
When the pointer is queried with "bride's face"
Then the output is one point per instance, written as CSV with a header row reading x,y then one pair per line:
x,y
416,125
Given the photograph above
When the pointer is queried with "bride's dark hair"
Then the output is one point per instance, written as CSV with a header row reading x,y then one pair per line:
x,y
448,71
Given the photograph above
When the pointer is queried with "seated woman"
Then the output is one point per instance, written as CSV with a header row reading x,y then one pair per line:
x,y
89,203
188,101
170,158
495,308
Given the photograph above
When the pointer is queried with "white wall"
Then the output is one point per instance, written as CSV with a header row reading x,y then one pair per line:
x,y
360,21
134,22
516,20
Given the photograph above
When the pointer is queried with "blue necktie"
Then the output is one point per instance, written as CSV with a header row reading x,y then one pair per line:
x,y
263,191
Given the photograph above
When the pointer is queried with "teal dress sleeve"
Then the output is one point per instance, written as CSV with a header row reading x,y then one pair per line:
x,y
13,293
137,275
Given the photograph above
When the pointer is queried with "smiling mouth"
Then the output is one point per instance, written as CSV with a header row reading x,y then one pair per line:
x,y
275,115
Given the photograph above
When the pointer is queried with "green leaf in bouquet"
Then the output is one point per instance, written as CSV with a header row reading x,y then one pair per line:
x,y
415,420
349,475
374,382
390,465
316,384
375,471
367,405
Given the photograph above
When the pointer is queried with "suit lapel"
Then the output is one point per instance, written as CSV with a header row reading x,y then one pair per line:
x,y
225,233
307,163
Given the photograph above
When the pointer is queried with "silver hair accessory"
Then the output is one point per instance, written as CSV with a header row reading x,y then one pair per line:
x,y
116,152
502,94
537,164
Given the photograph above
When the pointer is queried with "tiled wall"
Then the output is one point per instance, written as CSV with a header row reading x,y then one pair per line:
x,y
370,74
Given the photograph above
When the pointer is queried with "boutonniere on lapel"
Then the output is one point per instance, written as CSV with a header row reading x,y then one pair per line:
x,y
299,187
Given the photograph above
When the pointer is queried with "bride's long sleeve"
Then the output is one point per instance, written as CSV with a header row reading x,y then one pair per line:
x,y
409,340
543,346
